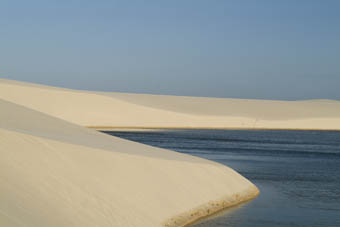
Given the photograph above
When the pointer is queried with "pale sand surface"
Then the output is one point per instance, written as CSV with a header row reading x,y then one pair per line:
x,y
122,110
55,172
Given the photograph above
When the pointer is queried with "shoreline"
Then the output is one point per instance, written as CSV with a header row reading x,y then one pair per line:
x,y
114,128
211,208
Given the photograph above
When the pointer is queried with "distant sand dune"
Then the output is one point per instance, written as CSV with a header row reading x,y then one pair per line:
x,y
105,109
264,109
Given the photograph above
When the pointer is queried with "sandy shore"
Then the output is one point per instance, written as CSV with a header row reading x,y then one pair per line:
x,y
56,172
134,129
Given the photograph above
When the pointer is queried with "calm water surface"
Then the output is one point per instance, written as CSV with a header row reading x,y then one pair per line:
x,y
297,172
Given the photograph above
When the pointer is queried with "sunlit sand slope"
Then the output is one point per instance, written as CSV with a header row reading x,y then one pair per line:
x,y
55,173
105,109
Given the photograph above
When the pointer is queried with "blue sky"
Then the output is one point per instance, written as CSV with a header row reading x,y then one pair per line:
x,y
244,49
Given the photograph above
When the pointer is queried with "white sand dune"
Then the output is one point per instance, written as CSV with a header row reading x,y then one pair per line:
x,y
122,110
55,172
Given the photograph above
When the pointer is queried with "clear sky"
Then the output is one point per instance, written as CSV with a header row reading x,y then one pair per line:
x,y
288,49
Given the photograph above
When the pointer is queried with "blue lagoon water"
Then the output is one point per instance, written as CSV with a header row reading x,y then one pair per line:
x,y
297,172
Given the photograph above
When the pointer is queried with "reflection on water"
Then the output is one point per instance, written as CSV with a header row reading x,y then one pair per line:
x,y
297,172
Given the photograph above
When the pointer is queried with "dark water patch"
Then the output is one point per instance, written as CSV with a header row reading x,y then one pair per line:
x,y
298,172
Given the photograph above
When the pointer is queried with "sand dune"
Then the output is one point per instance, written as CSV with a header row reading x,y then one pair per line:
x,y
105,109
266,109
54,173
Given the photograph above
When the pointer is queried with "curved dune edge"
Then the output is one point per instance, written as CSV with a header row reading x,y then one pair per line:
x,y
55,173
211,208
23,192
